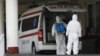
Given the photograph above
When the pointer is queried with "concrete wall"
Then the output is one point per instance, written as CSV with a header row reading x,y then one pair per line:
x,y
22,8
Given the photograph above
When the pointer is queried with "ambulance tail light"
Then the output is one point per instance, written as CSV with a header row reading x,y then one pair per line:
x,y
40,35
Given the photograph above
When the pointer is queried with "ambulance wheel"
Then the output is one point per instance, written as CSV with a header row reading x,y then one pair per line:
x,y
33,49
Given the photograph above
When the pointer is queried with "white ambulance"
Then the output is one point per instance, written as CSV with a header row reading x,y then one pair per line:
x,y
35,27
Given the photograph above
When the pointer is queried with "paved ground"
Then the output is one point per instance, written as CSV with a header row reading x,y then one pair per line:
x,y
52,55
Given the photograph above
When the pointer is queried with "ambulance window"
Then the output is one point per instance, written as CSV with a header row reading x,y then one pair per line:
x,y
30,23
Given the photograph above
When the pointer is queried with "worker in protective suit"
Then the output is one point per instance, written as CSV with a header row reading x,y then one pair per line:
x,y
73,32
60,38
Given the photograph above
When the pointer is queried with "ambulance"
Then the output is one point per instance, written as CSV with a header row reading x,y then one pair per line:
x,y
35,27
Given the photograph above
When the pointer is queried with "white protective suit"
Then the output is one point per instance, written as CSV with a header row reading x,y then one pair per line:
x,y
73,32
60,39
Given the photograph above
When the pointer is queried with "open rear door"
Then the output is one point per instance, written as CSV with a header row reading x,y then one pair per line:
x,y
47,27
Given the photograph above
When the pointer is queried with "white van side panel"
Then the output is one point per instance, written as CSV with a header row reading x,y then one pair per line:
x,y
25,41
27,37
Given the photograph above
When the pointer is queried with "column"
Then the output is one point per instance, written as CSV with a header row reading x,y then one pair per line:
x,y
2,48
12,26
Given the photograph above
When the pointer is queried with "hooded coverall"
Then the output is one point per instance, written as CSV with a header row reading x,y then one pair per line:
x,y
60,39
73,32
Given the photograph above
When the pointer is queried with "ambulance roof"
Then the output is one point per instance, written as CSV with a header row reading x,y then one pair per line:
x,y
33,10
55,8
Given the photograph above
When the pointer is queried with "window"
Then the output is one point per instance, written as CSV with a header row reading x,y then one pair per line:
x,y
97,18
30,23
90,15
94,18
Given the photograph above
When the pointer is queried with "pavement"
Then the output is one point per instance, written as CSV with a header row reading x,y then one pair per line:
x,y
51,55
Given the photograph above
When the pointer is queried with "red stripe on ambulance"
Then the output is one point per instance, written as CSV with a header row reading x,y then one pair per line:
x,y
32,13
31,34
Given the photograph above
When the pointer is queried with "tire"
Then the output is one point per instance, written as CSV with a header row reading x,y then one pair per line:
x,y
33,48
33,51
